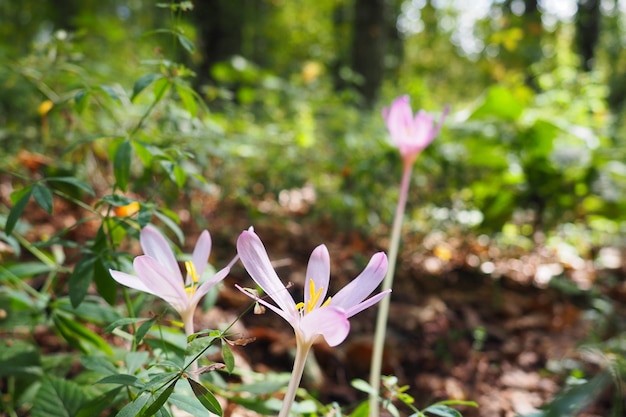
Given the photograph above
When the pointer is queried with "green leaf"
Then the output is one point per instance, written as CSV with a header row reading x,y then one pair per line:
x,y
43,197
73,181
499,102
143,329
81,278
442,411
362,410
98,364
117,200
186,42
121,164
110,91
79,336
17,209
106,285
187,96
171,225
363,386
96,406
25,270
58,398
123,322
143,82
206,398
160,400
133,409
119,379
80,100
161,86
21,360
229,358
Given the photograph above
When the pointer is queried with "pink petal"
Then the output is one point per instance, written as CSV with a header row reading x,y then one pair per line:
x,y
367,303
329,322
130,281
167,286
201,252
254,258
155,246
205,287
363,285
318,270
399,119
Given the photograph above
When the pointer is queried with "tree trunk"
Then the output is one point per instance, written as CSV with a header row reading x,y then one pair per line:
x,y
368,47
588,19
219,24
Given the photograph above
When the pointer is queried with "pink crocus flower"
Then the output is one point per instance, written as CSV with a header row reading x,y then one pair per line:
x,y
411,134
317,315
157,273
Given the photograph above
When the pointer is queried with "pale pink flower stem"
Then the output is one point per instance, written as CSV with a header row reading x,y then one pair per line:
x,y
383,311
302,351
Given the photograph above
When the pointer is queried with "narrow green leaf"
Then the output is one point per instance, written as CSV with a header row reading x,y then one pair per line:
x,y
364,386
143,329
442,411
116,200
206,398
80,279
123,322
110,91
43,197
73,181
80,100
229,358
160,400
133,409
170,224
58,398
143,82
187,97
121,164
161,86
79,336
186,42
17,210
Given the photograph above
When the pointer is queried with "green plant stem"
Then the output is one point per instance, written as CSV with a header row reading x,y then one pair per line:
x,y
302,351
383,310
189,330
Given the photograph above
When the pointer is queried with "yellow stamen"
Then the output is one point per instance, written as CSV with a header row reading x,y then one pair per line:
x,y
314,297
191,270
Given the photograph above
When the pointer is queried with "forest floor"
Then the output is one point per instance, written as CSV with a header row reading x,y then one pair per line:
x,y
468,320
508,339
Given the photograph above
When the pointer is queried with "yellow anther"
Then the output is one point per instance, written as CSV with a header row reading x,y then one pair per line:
x,y
191,270
300,305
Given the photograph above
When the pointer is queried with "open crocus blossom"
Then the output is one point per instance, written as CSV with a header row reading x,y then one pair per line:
x,y
157,273
317,315
411,134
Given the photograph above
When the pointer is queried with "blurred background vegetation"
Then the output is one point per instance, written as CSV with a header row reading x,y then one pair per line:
x,y
268,96
272,108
